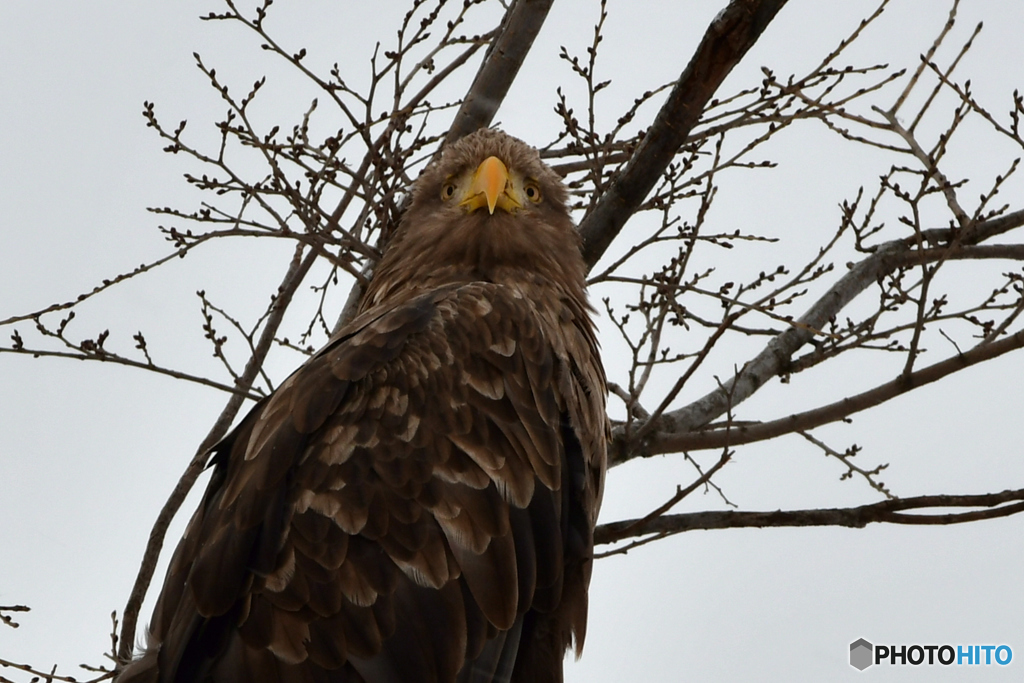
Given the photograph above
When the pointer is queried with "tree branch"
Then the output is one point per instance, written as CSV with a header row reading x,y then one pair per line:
x,y
129,362
52,675
727,39
506,54
289,284
738,434
892,511
7,619
776,355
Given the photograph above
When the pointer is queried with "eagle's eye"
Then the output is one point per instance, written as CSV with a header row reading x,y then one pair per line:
x,y
447,191
532,191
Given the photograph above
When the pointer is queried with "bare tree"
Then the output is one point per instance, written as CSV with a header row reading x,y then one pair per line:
x,y
885,282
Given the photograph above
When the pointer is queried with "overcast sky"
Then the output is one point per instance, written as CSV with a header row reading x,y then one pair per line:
x,y
89,452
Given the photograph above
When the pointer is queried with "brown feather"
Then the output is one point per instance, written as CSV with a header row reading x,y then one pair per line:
x,y
417,502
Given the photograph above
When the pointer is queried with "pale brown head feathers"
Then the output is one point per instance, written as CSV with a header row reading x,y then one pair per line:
x,y
489,210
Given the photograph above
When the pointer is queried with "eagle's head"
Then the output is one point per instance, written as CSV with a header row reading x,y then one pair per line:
x,y
490,210
494,171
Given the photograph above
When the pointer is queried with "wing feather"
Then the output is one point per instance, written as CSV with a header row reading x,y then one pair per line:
x,y
399,508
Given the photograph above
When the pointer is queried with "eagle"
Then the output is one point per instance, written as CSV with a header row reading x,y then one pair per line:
x,y
417,501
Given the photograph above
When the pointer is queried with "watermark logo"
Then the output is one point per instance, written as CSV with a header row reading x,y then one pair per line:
x,y
863,654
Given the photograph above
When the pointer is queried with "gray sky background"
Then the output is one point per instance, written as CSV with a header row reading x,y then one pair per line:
x,y
89,452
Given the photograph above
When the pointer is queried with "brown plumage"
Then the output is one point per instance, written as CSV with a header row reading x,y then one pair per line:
x,y
417,501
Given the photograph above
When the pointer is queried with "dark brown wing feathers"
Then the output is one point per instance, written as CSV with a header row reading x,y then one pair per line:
x,y
416,503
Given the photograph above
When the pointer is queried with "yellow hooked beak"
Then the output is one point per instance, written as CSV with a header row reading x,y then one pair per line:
x,y
489,186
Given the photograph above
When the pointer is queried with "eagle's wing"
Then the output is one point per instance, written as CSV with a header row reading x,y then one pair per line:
x,y
416,500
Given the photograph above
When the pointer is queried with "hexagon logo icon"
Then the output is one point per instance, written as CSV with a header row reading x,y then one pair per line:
x,y
861,654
